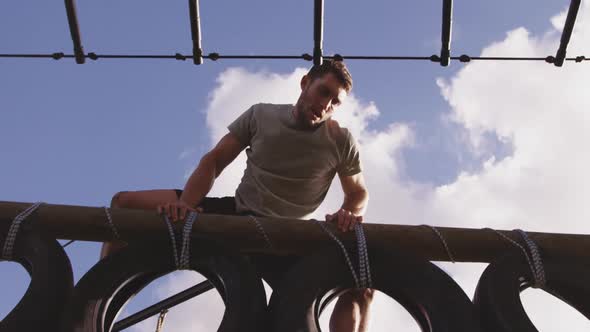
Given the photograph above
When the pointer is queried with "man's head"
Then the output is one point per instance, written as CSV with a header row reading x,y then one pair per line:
x,y
322,90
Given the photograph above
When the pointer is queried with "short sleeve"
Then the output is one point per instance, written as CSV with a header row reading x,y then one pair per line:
x,y
350,163
244,127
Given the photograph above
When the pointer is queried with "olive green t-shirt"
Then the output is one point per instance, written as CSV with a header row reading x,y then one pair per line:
x,y
289,170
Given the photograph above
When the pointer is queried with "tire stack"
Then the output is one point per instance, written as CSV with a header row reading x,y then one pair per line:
x,y
434,299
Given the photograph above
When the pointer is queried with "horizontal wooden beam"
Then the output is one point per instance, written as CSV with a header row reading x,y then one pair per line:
x,y
287,236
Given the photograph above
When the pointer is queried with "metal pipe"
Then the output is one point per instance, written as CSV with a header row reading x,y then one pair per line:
x,y
447,22
196,31
75,31
568,28
168,303
318,31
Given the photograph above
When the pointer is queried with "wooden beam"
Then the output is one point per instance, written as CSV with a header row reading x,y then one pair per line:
x,y
287,236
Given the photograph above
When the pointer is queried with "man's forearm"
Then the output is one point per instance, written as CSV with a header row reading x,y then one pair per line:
x,y
356,202
200,182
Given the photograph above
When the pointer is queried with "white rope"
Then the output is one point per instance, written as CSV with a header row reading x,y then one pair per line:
x,y
539,280
111,223
363,252
348,261
261,231
366,252
364,270
172,239
361,256
13,230
182,262
444,242
186,239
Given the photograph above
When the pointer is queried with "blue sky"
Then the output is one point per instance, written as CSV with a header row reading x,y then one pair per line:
x,y
76,134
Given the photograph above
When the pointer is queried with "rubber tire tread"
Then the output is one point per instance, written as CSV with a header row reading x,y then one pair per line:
x,y
103,291
51,284
433,298
497,296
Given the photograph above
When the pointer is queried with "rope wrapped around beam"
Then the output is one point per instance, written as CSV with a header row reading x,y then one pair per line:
x,y
240,233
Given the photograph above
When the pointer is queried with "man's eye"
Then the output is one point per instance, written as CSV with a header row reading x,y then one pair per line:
x,y
325,92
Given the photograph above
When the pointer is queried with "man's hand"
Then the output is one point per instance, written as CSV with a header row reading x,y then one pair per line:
x,y
176,209
345,219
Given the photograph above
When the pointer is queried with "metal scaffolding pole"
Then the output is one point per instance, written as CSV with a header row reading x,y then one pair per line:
x,y
447,23
318,31
196,31
75,31
568,28
167,303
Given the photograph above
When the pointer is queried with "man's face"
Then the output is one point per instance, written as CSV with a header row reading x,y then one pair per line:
x,y
318,100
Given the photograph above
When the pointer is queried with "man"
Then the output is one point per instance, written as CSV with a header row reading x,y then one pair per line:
x,y
294,152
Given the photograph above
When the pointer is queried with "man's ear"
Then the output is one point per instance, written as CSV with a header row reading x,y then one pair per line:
x,y
305,80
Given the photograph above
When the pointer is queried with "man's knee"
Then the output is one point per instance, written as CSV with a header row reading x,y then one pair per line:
x,y
364,295
118,199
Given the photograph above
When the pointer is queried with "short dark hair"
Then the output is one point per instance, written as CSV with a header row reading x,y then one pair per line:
x,y
338,68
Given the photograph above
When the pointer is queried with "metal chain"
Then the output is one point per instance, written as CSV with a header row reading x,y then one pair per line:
x,y
537,282
444,242
261,231
13,230
348,261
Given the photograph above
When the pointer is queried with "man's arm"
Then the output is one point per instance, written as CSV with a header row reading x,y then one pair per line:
x,y
210,167
356,198
356,195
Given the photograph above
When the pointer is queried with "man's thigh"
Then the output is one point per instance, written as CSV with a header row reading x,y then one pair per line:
x,y
215,205
143,199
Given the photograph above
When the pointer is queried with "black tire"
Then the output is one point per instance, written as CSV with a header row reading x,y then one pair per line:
x,y
103,291
50,287
497,296
433,298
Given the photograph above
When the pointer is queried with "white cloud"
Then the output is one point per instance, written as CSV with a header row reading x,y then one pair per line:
x,y
540,110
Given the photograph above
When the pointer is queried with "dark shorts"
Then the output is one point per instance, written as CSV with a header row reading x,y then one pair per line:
x,y
270,267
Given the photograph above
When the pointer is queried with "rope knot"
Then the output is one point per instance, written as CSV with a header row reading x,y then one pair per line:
x,y
182,262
